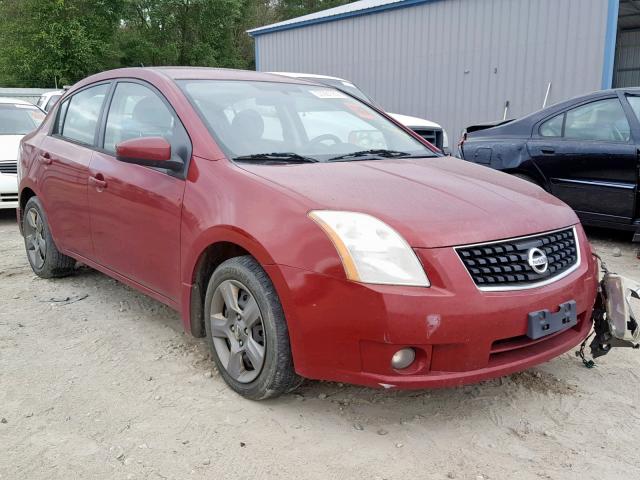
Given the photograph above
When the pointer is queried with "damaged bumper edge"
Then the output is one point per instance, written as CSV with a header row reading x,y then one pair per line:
x,y
615,314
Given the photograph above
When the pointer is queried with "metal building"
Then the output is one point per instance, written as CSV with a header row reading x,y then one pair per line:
x,y
459,62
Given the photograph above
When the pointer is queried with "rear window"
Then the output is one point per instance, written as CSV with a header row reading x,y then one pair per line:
x,y
17,119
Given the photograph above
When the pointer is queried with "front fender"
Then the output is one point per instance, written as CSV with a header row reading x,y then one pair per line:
x,y
192,290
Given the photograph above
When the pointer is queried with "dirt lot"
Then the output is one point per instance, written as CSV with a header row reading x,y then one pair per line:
x,y
109,387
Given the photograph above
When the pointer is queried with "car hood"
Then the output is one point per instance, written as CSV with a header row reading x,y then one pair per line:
x,y
432,202
408,121
9,146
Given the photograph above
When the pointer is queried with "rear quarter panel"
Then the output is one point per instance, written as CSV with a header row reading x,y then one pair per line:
x,y
497,153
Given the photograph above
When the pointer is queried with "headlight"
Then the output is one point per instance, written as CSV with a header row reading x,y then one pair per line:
x,y
445,139
371,251
19,162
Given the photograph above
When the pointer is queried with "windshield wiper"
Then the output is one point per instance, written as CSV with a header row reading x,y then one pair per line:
x,y
288,157
371,153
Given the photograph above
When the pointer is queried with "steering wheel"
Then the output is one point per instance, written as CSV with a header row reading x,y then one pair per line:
x,y
324,137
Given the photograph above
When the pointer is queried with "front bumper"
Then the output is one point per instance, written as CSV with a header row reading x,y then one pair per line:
x,y
345,331
8,190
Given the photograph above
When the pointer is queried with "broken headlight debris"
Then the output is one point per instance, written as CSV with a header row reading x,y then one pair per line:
x,y
615,315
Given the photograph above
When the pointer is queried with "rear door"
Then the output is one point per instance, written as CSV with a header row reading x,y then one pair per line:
x,y
589,158
631,102
135,210
63,162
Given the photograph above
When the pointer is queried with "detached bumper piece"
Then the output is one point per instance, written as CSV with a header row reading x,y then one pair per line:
x,y
615,315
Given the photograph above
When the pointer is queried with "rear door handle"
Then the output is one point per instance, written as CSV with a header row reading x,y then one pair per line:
x,y
45,158
99,183
548,150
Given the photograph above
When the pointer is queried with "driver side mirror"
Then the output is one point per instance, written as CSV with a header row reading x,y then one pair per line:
x,y
148,151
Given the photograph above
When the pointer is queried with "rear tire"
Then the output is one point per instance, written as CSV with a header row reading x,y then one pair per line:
x,y
247,330
44,257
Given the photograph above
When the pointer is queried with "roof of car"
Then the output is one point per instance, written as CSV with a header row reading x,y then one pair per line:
x,y
308,75
591,96
523,124
52,93
185,73
208,73
15,101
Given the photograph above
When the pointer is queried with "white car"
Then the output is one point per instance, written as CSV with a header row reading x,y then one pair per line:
x,y
17,118
49,99
430,131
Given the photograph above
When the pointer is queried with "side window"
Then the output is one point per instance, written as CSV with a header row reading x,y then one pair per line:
x,y
602,120
82,114
635,105
553,127
137,111
62,112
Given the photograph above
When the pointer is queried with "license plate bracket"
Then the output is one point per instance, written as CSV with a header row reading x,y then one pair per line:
x,y
544,322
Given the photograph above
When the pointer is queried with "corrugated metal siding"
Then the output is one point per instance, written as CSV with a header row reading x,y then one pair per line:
x,y
455,61
628,59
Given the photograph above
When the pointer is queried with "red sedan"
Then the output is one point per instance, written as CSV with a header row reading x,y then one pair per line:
x,y
302,231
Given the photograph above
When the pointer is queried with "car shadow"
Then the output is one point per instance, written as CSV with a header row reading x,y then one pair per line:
x,y
608,234
7,216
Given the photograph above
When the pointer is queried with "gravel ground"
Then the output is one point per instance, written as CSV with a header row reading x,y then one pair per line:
x,y
105,385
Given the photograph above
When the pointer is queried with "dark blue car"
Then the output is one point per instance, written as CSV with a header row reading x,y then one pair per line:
x,y
584,151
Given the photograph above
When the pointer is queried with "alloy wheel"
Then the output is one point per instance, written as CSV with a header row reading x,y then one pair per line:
x,y
237,331
34,237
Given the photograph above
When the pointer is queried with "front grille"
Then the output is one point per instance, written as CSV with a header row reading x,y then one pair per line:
x,y
504,265
8,167
433,136
8,197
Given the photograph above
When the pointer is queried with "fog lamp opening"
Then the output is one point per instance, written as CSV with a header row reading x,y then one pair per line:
x,y
403,358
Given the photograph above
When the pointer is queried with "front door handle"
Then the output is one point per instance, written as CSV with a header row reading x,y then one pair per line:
x,y
548,150
45,158
98,182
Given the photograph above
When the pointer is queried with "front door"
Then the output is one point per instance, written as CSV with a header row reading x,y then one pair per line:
x,y
589,157
135,210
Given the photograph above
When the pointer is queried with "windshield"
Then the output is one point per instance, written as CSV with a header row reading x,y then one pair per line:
x,y
309,123
16,119
343,85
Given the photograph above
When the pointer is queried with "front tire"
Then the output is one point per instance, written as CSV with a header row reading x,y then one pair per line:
x,y
247,330
44,257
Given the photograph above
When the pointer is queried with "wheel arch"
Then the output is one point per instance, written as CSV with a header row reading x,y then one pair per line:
x,y
25,194
533,173
215,247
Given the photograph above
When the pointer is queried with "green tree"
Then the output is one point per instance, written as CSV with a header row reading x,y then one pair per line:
x,y
44,42
180,32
